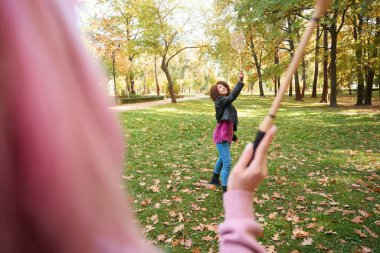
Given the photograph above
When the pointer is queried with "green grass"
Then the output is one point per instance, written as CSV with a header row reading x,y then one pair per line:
x,y
324,168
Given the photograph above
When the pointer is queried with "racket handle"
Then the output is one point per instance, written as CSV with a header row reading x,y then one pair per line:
x,y
259,137
263,128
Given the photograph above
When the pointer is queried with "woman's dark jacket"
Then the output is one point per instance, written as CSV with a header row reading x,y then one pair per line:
x,y
224,110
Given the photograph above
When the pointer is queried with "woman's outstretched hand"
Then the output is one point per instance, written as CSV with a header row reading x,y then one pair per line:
x,y
241,76
246,175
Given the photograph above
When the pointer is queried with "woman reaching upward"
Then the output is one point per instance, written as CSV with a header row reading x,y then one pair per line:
x,y
227,121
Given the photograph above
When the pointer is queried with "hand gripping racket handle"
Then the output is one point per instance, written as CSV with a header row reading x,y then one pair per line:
x,y
259,137
263,128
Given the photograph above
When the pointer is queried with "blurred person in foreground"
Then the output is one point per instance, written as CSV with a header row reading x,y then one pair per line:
x,y
61,148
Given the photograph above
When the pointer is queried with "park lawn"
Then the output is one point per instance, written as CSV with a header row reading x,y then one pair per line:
x,y
322,193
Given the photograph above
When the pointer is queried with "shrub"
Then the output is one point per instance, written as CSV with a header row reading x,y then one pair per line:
x,y
176,89
139,99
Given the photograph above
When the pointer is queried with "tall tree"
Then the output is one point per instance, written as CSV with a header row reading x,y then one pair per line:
x,y
163,38
304,82
316,63
325,89
120,25
156,76
337,14
257,60
290,40
358,27
372,56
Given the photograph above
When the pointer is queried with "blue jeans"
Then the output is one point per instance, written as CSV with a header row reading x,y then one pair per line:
x,y
223,164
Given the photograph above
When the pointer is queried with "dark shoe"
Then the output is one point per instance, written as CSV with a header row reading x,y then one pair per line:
x,y
215,181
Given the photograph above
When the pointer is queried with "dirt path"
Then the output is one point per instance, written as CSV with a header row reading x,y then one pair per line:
x,y
138,106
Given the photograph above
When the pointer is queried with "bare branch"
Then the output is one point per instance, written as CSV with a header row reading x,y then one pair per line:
x,y
343,16
172,38
171,57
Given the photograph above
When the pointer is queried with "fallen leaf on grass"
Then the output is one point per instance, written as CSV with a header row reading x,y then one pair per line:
x,y
177,199
299,233
321,228
154,219
271,249
186,190
330,232
169,240
276,237
178,228
300,198
311,225
180,217
161,237
358,219
175,243
207,238
369,231
211,250
145,202
272,215
196,250
307,241
364,214
370,198
366,250
148,228
359,232
188,243
195,207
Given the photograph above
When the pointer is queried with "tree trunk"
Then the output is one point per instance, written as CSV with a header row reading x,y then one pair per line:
x,y
155,76
114,74
368,91
127,89
372,54
378,79
304,85
258,69
359,61
297,86
333,88
296,76
258,66
145,73
132,77
316,64
325,90
275,86
133,91
277,78
170,81
261,88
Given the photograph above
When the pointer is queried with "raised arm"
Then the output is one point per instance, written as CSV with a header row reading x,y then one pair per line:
x,y
225,101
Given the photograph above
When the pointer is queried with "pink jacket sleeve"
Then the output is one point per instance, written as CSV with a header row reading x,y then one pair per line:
x,y
239,230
